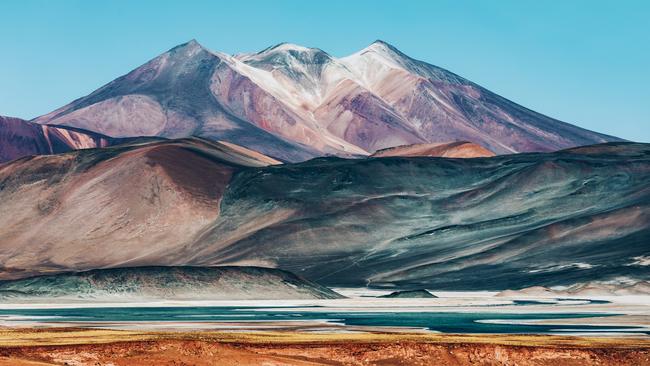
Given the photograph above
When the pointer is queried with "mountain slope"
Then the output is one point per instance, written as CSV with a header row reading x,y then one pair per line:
x,y
191,91
443,106
499,222
459,149
168,283
117,205
20,138
492,223
295,103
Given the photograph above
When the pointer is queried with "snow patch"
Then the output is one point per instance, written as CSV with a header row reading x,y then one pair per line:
x,y
562,267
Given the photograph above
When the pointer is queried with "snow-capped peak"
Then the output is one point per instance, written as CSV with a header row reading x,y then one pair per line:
x,y
286,46
375,63
381,46
382,52
284,53
302,72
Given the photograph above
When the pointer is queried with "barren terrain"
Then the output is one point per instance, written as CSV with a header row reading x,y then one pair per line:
x,y
69,346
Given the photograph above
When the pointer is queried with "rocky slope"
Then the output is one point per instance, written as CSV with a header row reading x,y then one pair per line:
x,y
509,221
20,138
168,283
589,289
295,103
121,204
458,149
502,222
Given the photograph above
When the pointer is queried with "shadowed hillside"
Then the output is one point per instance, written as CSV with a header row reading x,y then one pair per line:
x,y
485,223
88,208
170,283
456,149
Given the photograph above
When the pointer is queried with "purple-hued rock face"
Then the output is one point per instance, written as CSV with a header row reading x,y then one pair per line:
x,y
20,138
295,103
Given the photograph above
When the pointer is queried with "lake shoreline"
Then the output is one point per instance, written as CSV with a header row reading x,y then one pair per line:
x,y
469,313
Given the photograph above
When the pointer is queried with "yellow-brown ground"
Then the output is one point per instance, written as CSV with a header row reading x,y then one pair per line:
x,y
23,347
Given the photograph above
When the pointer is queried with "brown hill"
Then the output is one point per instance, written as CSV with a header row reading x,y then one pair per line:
x,y
457,149
85,209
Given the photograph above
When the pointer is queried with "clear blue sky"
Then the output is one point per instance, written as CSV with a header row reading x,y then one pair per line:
x,y
583,62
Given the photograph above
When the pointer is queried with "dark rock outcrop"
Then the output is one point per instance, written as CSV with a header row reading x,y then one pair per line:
x,y
410,294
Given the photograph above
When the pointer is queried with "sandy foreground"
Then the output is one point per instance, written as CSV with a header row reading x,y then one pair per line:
x,y
73,346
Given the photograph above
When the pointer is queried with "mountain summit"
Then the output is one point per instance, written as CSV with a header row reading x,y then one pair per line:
x,y
294,103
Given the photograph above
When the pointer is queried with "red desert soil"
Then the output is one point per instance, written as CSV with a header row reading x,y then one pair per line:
x,y
118,348
458,149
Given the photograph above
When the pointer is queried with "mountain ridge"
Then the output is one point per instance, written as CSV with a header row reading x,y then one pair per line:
x,y
165,283
294,103
456,149
19,138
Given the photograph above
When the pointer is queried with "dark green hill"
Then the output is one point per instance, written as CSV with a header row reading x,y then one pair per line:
x,y
510,221
169,283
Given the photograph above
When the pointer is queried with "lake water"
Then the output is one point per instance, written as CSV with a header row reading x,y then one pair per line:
x,y
446,322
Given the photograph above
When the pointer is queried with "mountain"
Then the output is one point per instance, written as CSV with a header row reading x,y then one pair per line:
x,y
457,149
87,208
295,103
166,283
177,95
589,289
20,138
509,221
502,222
